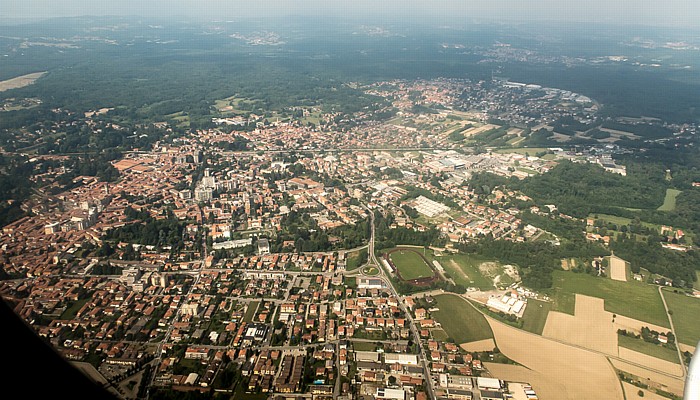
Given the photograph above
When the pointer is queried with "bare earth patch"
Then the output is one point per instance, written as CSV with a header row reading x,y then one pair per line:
x,y
20,81
665,382
479,345
489,269
618,269
590,326
565,264
567,372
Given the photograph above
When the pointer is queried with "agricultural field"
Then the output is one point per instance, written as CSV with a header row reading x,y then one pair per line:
x,y
460,320
685,311
20,81
410,264
669,200
556,370
464,269
649,349
631,299
535,315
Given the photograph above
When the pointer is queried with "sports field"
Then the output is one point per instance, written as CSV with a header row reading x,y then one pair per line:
x,y
535,315
410,264
460,320
685,311
632,299
619,268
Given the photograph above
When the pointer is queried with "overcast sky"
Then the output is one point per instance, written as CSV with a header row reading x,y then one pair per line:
x,y
648,12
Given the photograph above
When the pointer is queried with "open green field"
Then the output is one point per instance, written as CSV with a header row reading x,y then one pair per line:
x,y
439,334
464,269
182,119
696,285
250,312
535,315
364,346
355,259
631,299
522,150
686,311
460,320
650,349
232,102
669,200
73,309
621,220
410,264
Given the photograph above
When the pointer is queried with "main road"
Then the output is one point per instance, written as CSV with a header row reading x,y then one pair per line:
x,y
372,259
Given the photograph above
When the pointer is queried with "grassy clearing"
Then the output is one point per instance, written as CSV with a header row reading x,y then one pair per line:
x,y
669,200
439,334
182,119
410,264
364,346
250,312
71,311
464,269
522,150
621,220
355,259
649,349
696,285
685,311
527,170
535,315
632,299
460,320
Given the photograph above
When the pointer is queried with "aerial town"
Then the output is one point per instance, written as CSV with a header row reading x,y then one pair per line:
x,y
279,262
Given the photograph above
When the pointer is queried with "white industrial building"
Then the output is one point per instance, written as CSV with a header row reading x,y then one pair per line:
x,y
401,358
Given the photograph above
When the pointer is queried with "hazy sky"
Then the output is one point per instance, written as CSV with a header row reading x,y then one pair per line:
x,y
653,12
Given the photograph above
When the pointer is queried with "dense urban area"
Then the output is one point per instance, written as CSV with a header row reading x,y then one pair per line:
x,y
432,238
